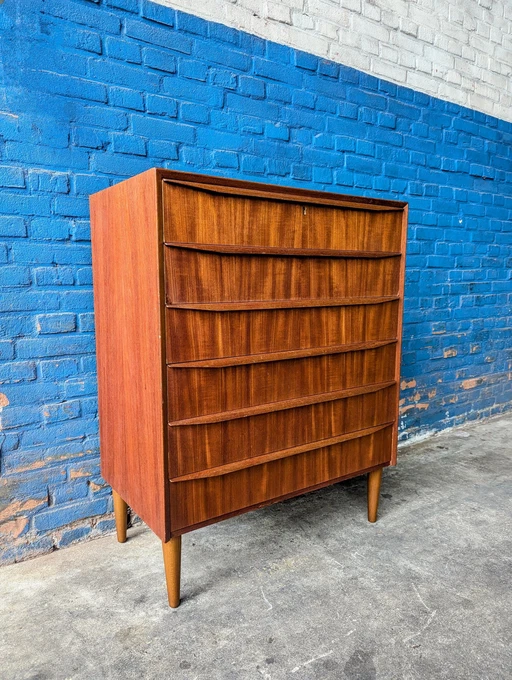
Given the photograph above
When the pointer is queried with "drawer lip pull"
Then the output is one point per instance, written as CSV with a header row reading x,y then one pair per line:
x,y
278,251
250,305
297,402
283,355
290,195
278,455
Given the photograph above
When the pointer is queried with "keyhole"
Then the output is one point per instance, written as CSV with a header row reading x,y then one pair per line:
x,y
304,210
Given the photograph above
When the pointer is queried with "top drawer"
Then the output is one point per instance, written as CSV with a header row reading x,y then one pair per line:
x,y
208,216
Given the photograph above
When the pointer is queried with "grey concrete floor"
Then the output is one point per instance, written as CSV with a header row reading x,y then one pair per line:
x,y
304,589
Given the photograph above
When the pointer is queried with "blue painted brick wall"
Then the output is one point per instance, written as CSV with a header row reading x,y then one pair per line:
x,y
93,92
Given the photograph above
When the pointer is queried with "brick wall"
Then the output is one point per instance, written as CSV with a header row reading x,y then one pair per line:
x,y
459,50
95,92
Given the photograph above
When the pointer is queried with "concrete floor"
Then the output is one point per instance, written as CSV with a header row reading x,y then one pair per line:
x,y
305,589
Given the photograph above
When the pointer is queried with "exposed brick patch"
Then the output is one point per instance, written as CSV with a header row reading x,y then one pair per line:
x,y
471,383
14,527
17,508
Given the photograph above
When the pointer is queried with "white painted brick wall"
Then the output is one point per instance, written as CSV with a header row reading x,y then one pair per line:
x,y
458,50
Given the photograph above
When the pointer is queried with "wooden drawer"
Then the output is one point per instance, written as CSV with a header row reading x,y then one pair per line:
x,y
199,276
227,330
199,390
201,501
276,427
214,216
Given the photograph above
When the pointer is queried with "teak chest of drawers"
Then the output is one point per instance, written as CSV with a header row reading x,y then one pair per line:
x,y
248,342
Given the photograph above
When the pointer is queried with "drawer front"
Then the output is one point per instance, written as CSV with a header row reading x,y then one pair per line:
x,y
193,215
209,499
196,276
282,321
211,445
194,391
194,334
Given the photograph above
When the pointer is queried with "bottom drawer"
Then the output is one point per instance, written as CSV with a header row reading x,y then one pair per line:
x,y
203,500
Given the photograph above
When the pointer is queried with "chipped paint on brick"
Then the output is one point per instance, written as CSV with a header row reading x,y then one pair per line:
x,y
471,383
407,384
36,465
96,487
420,407
450,352
79,472
17,507
14,527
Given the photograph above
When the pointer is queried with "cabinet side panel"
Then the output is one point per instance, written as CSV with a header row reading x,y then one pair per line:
x,y
127,254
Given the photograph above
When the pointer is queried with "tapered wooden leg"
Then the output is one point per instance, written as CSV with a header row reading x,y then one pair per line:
x,y
374,479
172,564
121,515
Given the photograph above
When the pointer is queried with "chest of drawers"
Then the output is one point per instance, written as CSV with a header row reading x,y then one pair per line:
x,y
248,344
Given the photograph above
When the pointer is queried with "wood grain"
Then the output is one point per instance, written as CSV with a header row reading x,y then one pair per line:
x,y
194,335
201,277
277,455
128,304
200,501
275,251
272,192
200,447
284,405
198,216
238,306
200,391
266,357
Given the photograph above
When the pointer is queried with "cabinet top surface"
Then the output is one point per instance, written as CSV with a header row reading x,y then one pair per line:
x,y
272,191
